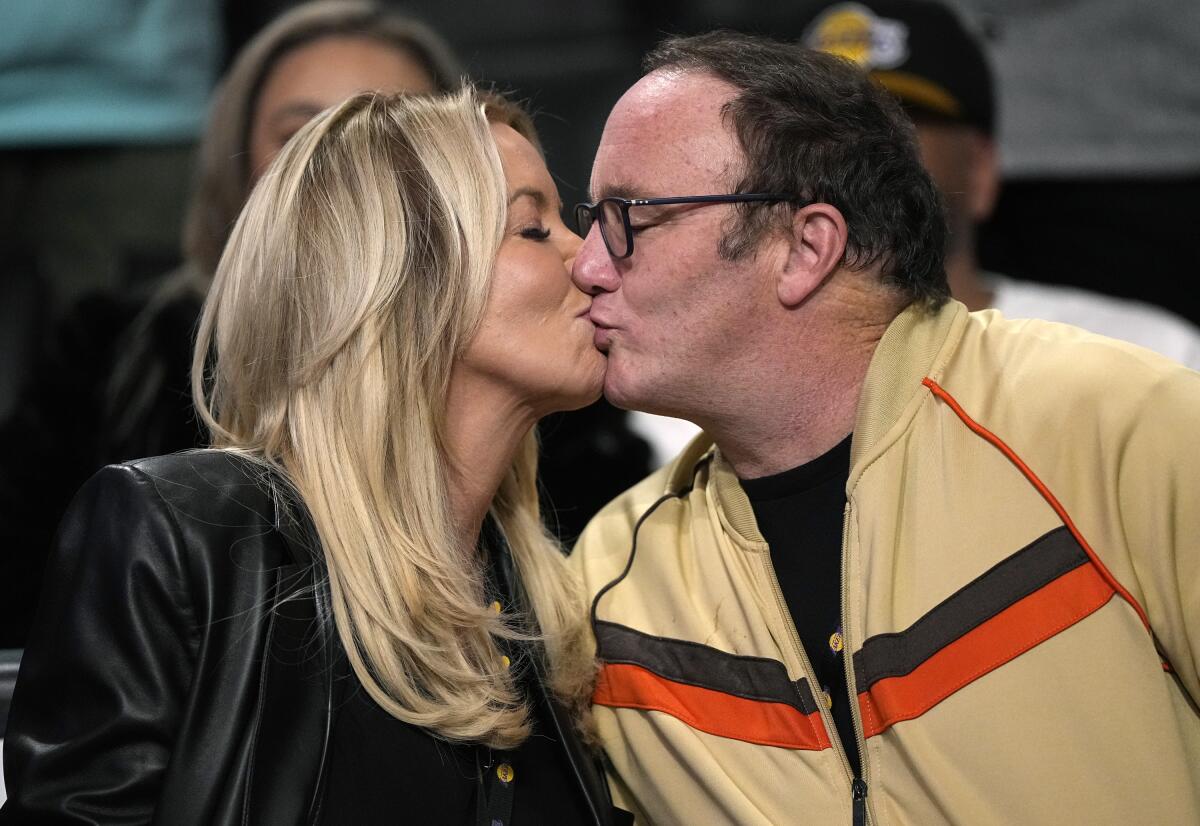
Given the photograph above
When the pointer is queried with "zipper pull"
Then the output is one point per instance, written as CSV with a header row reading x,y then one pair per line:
x,y
859,804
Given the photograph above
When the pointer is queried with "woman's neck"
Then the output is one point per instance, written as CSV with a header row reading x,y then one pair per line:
x,y
484,431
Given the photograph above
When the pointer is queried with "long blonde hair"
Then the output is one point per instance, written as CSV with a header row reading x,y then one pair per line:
x,y
353,279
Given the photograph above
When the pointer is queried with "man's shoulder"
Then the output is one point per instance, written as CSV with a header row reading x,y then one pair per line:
x,y
1031,366
1053,344
608,537
620,516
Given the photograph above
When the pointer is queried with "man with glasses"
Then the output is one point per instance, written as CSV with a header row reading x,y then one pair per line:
x,y
925,565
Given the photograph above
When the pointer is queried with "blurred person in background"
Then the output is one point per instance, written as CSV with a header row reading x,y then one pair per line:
x,y
115,382
1100,116
348,610
925,54
101,103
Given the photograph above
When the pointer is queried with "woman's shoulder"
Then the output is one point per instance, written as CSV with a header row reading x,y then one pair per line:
x,y
213,506
210,478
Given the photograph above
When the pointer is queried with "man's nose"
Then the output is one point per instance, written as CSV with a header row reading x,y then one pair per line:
x,y
594,270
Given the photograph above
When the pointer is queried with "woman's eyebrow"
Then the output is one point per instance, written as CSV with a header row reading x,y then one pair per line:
x,y
539,197
540,200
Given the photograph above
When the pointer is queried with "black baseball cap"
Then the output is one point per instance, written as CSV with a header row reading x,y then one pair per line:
x,y
920,50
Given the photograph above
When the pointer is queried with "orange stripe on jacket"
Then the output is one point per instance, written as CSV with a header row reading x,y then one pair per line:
x,y
1050,498
753,721
1023,625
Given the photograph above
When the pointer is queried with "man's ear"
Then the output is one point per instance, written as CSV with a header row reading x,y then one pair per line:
x,y
818,243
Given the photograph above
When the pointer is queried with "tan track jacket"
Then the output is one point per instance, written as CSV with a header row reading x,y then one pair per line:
x,y
1021,597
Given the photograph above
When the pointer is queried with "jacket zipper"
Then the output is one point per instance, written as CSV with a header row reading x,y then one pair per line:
x,y
859,804
858,784
810,674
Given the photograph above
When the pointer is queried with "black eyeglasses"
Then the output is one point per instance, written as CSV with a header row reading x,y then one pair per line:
x,y
613,214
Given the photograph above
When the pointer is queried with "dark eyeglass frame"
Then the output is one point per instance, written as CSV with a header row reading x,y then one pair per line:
x,y
588,214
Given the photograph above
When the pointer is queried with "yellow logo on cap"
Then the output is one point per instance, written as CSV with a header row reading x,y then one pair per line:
x,y
853,31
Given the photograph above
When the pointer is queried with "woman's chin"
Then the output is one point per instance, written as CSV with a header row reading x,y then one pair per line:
x,y
596,387
581,393
583,398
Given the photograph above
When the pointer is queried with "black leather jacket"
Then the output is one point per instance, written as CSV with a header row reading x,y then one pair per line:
x,y
181,668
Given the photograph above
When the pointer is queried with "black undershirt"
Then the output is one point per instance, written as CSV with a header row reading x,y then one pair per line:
x,y
799,513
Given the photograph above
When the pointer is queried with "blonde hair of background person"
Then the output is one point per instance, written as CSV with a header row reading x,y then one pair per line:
x,y
334,345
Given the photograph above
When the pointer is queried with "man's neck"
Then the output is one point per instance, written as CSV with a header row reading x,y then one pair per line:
x,y
805,394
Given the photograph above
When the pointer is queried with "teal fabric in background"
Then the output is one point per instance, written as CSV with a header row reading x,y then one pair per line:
x,y
88,72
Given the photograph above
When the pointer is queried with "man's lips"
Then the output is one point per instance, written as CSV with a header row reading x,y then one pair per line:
x,y
602,338
604,331
598,320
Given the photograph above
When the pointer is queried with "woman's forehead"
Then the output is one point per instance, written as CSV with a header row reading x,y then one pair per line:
x,y
524,168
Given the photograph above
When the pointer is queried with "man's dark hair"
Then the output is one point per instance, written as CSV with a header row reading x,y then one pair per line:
x,y
813,125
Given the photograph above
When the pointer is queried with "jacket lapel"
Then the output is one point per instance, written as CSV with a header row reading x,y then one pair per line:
x,y
296,696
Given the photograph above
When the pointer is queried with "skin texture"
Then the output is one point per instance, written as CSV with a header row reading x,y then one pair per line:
x,y
766,353
322,73
532,354
962,162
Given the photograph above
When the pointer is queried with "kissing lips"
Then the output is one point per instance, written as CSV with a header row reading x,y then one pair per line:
x,y
604,332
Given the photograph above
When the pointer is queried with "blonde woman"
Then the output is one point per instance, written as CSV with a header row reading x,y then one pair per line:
x,y
346,611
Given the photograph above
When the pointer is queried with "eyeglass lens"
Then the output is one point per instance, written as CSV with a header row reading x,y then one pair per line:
x,y
583,220
612,227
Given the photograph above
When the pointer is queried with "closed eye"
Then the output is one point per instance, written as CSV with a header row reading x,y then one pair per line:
x,y
534,233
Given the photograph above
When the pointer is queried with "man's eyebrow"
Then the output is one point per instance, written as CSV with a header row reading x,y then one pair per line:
x,y
614,191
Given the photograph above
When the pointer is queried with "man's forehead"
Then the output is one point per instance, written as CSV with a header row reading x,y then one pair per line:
x,y
667,132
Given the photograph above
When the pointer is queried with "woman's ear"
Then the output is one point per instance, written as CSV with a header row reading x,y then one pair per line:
x,y
817,245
